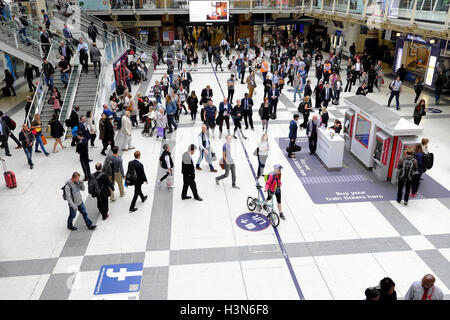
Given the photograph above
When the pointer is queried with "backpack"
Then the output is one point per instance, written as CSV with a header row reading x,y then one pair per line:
x,y
108,167
131,176
10,122
406,172
428,160
93,186
64,191
266,178
24,21
91,30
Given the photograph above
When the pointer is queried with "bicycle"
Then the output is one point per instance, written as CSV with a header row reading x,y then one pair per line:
x,y
258,204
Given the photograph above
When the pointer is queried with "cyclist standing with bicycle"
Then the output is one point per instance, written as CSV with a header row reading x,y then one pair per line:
x,y
273,186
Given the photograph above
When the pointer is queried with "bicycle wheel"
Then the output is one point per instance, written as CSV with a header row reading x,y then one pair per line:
x,y
251,203
274,218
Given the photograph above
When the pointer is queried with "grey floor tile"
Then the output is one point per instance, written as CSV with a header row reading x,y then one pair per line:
x,y
395,218
57,287
27,267
437,263
440,241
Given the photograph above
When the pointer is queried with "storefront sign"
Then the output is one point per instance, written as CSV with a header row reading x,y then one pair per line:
x,y
338,32
416,39
94,5
168,36
135,24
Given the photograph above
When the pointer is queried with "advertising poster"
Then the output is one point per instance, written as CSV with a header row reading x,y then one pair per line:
x,y
208,11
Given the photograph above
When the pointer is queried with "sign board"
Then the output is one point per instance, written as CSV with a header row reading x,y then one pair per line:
x,y
388,35
252,221
94,5
168,36
208,11
141,23
119,278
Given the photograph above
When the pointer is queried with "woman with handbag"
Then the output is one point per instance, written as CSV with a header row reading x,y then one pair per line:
x,y
262,152
419,111
56,131
36,129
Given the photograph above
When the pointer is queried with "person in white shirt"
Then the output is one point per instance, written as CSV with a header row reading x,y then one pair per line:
x,y
143,58
167,165
126,131
424,290
83,50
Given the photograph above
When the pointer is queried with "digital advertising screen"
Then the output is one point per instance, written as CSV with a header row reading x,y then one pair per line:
x,y
208,11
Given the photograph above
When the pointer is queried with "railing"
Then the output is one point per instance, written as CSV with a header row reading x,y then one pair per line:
x,y
14,33
70,86
39,95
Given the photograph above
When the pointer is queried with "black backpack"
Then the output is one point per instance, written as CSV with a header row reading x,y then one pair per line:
x,y
131,176
93,186
64,195
428,160
24,21
406,172
91,30
108,167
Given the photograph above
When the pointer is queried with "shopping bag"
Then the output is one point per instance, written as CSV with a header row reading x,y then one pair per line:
x,y
160,132
44,140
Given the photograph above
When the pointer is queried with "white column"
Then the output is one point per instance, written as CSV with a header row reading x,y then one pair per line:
x,y
348,8
413,13
447,20
386,10
334,5
365,9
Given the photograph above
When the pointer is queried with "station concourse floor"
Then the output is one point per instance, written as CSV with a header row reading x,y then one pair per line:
x,y
195,250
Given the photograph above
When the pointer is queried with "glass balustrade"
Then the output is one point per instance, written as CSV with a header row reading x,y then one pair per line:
x,y
328,5
341,6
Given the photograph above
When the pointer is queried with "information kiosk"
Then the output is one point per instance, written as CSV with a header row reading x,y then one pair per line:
x,y
378,136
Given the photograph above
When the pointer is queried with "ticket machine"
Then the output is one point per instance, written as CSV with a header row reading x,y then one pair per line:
x,y
378,136
348,127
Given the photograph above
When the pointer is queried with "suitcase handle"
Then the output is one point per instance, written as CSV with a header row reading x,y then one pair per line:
x,y
3,164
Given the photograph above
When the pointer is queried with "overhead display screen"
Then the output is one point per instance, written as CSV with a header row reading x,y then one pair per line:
x,y
208,11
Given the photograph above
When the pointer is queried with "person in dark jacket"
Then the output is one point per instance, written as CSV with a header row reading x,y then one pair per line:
x,y
141,178
27,138
82,150
401,72
108,135
273,95
224,115
419,111
9,80
317,92
188,171
264,113
105,186
418,155
387,290
418,87
405,178
56,131
28,75
247,104
362,90
307,91
207,94
305,108
326,95
292,135
311,132
324,117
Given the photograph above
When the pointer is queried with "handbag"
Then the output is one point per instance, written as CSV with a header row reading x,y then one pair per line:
x,y
255,153
213,156
160,132
221,164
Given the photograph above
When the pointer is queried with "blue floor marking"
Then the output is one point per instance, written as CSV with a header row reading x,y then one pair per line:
x,y
277,234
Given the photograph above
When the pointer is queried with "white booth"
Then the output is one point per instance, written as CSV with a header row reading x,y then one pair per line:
x,y
330,148
378,136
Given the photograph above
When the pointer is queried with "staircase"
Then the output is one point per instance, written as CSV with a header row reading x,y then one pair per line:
x,y
47,108
86,92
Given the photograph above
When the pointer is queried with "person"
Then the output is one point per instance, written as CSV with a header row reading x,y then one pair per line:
x,y
75,200
273,187
27,138
324,117
401,72
418,155
311,132
262,152
106,132
11,126
64,68
36,129
218,61
247,104
167,164
95,55
236,115
22,29
56,96
83,50
224,115
424,290
419,111
439,85
91,127
126,132
292,135
264,113
297,85
45,41
305,109
372,294
28,75
138,167
105,31
4,135
161,124
46,20
67,34
337,127
187,79
92,32
113,168
273,94
82,150
396,88
210,114
387,290
179,56
73,122
264,69
230,84
105,186
56,131
9,80
425,142
192,102
206,95
65,51
204,150
337,89
83,128
326,95
228,163
418,87
267,83
182,94
251,84
362,90
407,166
171,109
188,171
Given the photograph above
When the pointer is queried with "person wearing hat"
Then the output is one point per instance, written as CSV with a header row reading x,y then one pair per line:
x,y
188,171
273,187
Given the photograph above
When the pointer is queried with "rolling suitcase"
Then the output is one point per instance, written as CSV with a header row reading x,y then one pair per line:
x,y
10,177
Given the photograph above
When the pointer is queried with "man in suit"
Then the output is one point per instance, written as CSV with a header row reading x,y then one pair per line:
x,y
141,178
188,171
274,94
292,135
83,129
224,115
82,150
247,104
326,95
206,94
67,34
187,79
105,186
311,132
65,51
95,55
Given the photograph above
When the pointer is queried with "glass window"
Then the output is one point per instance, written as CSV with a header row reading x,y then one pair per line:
x,y
378,150
362,130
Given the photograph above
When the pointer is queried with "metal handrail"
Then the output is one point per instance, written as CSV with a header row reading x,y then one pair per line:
x,y
71,101
68,83
40,86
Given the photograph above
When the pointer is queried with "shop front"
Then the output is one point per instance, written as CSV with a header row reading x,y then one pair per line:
x,y
418,56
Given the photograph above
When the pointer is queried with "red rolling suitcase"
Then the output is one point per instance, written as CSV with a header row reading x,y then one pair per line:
x,y
10,177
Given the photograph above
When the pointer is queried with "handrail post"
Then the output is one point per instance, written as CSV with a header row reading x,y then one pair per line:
x,y
348,7
386,10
